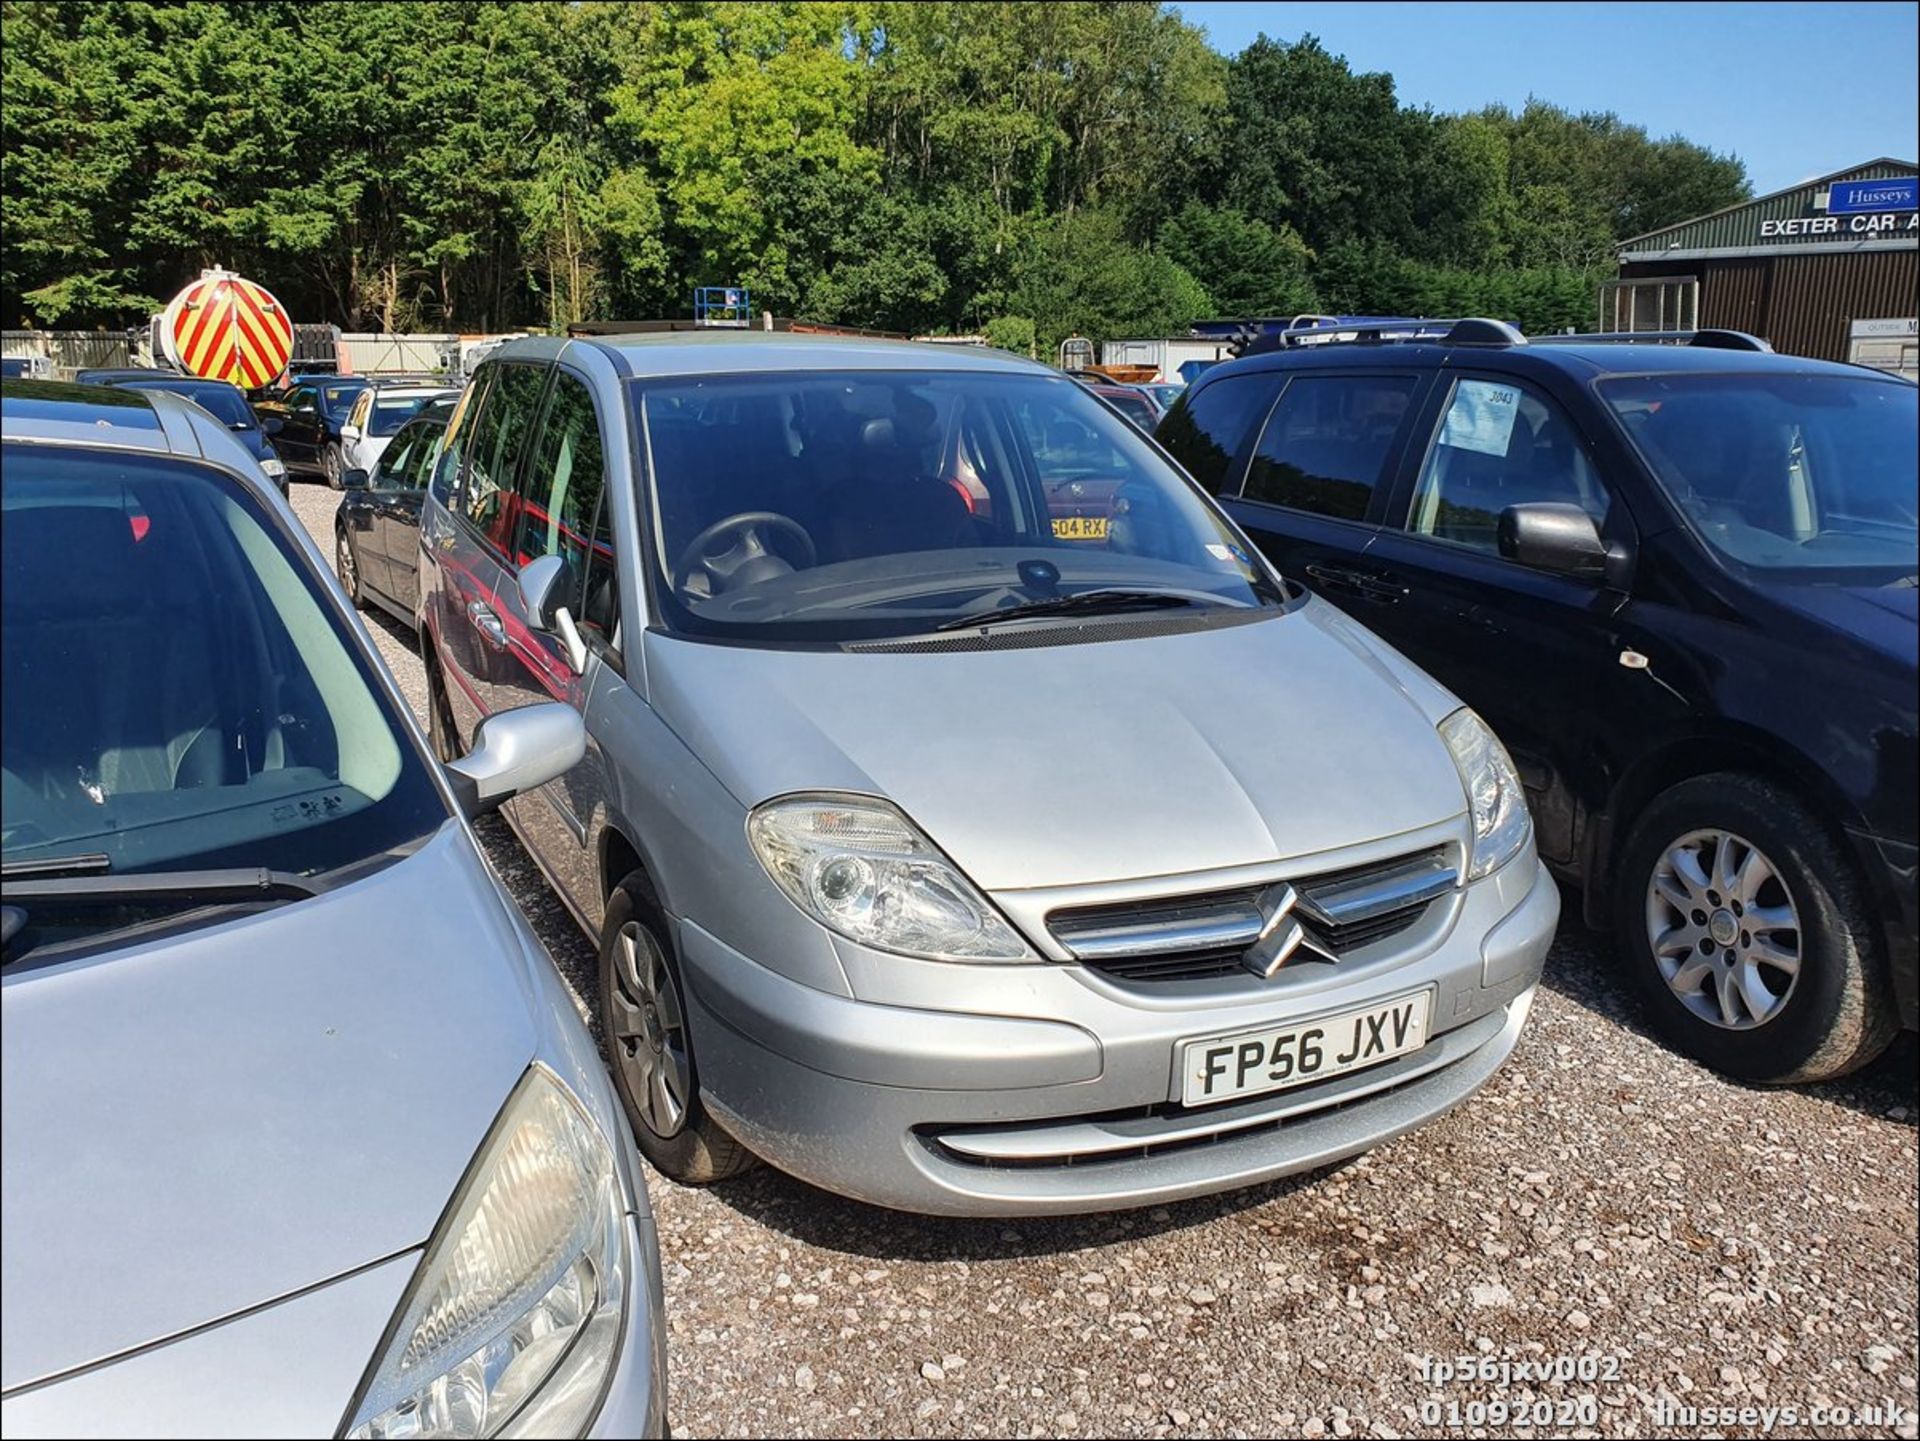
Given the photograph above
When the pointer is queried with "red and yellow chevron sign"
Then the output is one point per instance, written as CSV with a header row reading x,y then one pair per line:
x,y
225,327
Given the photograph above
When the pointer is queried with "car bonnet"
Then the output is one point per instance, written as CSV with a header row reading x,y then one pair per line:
x,y
1082,763
204,1124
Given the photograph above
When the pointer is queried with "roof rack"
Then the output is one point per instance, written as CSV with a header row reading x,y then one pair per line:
x,y
1706,339
1464,330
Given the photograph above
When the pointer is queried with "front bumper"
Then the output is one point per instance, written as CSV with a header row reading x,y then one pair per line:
x,y
1043,1089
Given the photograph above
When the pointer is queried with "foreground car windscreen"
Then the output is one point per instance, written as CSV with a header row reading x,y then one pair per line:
x,y
825,506
177,701
1813,473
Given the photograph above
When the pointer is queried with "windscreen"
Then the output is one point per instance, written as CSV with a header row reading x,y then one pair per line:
x,y
836,505
176,695
1786,472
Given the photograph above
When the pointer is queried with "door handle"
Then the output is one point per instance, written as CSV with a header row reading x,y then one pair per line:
x,y
1356,582
488,624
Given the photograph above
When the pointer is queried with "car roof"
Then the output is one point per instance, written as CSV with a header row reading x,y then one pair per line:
x,y
110,417
723,352
172,380
1568,356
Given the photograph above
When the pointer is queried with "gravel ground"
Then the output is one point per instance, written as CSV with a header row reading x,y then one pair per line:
x,y
1706,1244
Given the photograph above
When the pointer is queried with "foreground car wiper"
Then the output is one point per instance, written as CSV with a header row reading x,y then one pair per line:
x,y
239,884
1087,601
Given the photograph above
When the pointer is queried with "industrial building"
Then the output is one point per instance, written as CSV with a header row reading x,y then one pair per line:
x,y
1829,268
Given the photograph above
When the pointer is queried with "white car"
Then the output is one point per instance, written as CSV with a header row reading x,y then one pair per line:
x,y
377,415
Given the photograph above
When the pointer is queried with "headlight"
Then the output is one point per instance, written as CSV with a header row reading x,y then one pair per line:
x,y
1500,821
859,867
273,467
513,1321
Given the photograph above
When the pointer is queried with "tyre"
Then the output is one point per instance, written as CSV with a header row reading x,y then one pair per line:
x,y
644,1017
1749,933
331,464
441,730
344,563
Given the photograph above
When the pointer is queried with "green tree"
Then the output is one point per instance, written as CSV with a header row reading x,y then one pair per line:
x,y
1246,266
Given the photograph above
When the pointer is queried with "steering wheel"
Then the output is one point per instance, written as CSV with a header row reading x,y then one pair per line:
x,y
745,558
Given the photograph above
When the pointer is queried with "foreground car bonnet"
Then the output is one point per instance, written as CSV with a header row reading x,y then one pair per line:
x,y
1062,765
206,1124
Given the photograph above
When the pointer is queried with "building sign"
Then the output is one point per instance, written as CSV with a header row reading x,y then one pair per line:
x,y
1884,329
1860,197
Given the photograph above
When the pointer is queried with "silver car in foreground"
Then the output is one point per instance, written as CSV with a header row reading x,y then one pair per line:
x,y
971,821
303,1135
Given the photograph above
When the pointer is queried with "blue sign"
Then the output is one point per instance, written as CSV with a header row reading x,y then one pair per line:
x,y
1857,197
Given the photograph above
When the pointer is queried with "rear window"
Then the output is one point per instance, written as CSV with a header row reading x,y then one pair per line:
x,y
390,412
223,402
1206,428
1327,442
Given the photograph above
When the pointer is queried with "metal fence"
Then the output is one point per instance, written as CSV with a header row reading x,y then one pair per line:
x,y
69,350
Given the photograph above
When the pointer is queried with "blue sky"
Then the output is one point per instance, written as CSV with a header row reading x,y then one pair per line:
x,y
1795,90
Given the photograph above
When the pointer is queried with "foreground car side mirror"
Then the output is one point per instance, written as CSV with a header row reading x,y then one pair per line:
x,y
515,751
355,479
1551,535
542,585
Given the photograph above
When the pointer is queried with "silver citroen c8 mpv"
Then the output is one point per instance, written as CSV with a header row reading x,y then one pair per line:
x,y
972,821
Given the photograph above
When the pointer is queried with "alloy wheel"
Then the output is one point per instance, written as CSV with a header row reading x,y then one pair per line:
x,y
343,562
330,460
649,1032
1724,930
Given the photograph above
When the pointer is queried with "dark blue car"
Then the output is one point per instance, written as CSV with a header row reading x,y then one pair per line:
x,y
1679,581
226,403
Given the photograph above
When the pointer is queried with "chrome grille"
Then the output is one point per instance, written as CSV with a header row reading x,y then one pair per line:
x,y
1196,937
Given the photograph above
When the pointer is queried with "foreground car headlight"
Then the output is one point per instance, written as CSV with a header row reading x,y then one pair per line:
x,y
859,867
1501,824
514,1319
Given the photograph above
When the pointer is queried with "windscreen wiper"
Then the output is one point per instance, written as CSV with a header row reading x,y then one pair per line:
x,y
1086,602
245,883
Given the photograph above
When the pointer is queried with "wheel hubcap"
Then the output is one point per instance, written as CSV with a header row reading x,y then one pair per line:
x,y
649,1034
1724,930
346,562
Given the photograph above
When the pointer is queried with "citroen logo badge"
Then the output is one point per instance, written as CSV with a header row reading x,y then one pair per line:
x,y
1281,933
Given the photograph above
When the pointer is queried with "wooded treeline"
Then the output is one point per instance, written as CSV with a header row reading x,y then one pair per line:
x,y
1025,169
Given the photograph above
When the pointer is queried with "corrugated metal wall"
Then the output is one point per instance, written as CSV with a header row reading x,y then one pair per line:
x,y
1815,297
1802,304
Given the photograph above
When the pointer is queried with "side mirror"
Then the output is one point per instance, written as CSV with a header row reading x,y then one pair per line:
x,y
1551,535
272,424
515,751
349,432
355,479
541,583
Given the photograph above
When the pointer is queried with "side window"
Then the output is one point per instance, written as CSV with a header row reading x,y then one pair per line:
x,y
1500,444
500,438
562,486
390,470
420,463
1204,431
446,469
358,415
1327,442
600,607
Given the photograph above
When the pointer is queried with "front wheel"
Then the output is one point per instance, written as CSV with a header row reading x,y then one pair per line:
x,y
1749,933
441,730
332,464
644,1015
